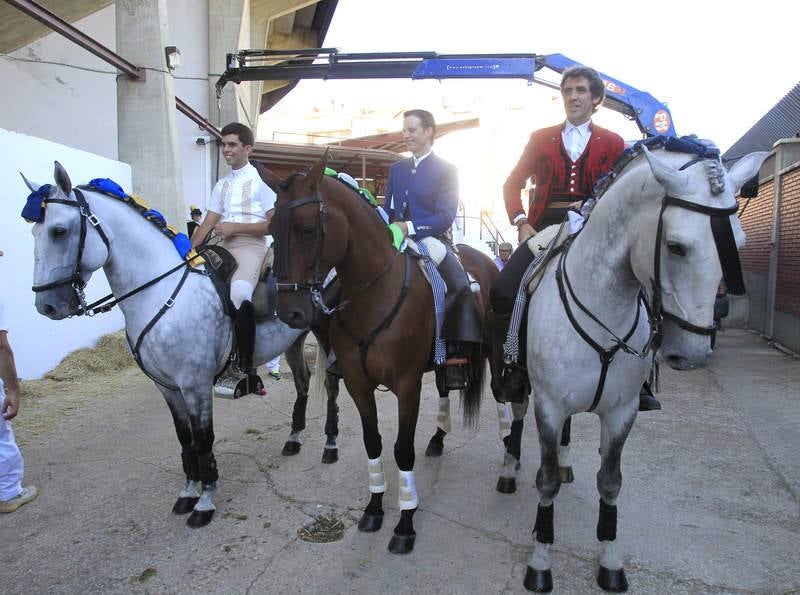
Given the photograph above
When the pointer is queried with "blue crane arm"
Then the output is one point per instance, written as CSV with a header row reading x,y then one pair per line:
x,y
651,116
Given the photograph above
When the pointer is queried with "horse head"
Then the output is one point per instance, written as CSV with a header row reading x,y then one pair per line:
x,y
66,251
310,238
697,234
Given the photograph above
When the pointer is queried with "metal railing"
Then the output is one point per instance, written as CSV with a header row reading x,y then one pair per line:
x,y
487,230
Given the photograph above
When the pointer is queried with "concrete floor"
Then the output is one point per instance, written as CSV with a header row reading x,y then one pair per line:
x,y
709,502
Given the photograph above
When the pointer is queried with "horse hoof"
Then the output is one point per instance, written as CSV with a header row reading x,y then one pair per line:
x,y
290,448
434,449
199,518
566,474
330,455
613,581
402,544
184,505
369,523
507,485
539,581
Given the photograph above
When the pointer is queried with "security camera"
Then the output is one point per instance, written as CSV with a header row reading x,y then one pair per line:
x,y
200,141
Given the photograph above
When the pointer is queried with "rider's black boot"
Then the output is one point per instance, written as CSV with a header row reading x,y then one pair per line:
x,y
455,371
245,335
647,400
514,380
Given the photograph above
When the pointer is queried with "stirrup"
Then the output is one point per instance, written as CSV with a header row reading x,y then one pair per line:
x,y
234,385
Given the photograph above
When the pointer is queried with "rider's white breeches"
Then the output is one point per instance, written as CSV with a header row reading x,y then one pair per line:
x,y
241,291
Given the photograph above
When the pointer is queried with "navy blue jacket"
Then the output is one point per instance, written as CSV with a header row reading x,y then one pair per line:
x,y
427,196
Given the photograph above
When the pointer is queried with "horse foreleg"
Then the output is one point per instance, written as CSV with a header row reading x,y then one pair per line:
x,y
202,422
180,416
402,541
564,467
331,452
539,577
614,428
372,519
512,440
301,376
443,424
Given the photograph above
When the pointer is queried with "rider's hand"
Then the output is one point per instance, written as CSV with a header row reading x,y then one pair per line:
x,y
11,405
224,230
403,227
524,232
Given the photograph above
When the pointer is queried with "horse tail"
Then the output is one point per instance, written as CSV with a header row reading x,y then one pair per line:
x,y
320,373
471,397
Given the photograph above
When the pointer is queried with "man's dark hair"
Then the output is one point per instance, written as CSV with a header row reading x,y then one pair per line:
x,y
425,118
596,86
244,133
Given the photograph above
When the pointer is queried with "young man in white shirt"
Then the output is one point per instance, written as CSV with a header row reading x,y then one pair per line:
x,y
239,211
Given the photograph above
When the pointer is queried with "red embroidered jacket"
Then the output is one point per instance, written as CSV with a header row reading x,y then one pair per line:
x,y
556,176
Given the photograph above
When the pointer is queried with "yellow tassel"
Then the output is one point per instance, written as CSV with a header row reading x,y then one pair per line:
x,y
140,201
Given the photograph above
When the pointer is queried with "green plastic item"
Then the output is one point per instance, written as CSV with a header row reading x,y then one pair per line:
x,y
368,195
397,236
331,172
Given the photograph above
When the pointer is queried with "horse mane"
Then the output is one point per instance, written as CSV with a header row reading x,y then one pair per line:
x,y
702,148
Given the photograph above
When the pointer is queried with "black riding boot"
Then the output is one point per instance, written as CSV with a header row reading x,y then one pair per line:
x,y
246,336
514,380
647,400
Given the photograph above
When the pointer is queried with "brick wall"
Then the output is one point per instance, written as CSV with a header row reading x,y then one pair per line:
x,y
757,222
787,289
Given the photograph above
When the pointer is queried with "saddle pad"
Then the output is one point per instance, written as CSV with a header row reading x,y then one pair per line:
x,y
545,241
436,249
221,266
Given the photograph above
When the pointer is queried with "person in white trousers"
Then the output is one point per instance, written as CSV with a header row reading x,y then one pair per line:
x,y
12,493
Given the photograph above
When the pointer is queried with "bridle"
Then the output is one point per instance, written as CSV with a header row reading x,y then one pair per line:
x,y
76,279
316,283
732,272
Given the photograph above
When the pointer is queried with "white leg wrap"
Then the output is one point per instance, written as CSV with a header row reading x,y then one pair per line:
x,y
563,456
510,466
443,417
608,555
205,502
504,419
192,490
407,491
295,437
377,477
540,558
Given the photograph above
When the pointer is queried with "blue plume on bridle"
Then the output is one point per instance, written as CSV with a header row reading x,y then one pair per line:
x,y
33,211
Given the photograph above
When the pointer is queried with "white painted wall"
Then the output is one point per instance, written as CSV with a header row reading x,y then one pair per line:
x,y
39,343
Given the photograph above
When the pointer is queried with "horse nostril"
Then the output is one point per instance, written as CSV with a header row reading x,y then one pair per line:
x,y
48,309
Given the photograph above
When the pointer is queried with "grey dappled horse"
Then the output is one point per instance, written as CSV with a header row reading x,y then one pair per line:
x,y
184,348
650,229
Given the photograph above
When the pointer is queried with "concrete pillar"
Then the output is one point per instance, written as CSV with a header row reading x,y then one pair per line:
x,y
146,110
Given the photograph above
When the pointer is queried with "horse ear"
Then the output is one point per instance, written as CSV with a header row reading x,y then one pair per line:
x,y
62,179
674,182
745,168
316,172
270,178
31,186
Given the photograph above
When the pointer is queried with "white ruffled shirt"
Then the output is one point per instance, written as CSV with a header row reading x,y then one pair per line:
x,y
576,138
242,196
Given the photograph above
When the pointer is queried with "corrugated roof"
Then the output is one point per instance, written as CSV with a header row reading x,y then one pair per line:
x,y
782,121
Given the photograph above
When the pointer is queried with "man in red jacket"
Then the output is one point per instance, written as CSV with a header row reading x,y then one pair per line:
x,y
565,162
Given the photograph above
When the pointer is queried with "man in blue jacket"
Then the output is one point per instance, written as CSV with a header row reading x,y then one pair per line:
x,y
422,199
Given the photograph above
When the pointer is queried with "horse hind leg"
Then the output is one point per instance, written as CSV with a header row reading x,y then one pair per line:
x,y
443,423
615,426
564,467
511,435
330,453
301,376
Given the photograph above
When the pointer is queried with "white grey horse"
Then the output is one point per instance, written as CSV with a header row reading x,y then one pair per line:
x,y
184,348
650,229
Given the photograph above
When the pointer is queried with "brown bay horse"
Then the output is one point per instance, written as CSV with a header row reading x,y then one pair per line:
x,y
383,328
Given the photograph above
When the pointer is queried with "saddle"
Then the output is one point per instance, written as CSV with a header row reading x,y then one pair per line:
x,y
544,245
221,265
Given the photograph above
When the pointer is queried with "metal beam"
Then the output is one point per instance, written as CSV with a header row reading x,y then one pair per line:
x,y
60,26
54,22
